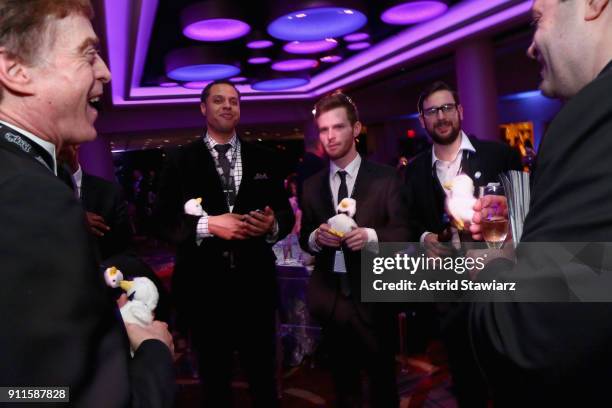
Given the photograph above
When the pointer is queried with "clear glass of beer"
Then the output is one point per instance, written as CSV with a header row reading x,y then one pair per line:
x,y
494,217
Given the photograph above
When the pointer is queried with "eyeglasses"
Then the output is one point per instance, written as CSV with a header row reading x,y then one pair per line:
x,y
446,108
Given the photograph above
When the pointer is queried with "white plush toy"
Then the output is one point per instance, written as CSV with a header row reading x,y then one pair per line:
x,y
194,207
460,200
343,222
144,296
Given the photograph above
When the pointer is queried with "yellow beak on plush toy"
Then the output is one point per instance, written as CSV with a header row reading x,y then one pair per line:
x,y
126,285
199,200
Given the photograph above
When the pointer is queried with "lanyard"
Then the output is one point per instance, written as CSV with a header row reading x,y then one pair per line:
x,y
19,142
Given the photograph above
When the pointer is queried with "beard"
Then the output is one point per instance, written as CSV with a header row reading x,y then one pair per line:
x,y
445,140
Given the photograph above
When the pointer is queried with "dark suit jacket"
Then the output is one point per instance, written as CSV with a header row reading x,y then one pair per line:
x,y
425,195
106,199
202,278
59,326
557,354
377,192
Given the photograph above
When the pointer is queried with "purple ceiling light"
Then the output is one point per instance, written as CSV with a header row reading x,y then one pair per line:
x,y
358,46
199,64
356,37
212,21
259,60
317,24
412,12
310,47
279,84
330,59
168,84
295,65
259,44
237,79
196,84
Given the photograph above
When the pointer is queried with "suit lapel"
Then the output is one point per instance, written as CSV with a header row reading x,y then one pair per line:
x,y
327,198
360,189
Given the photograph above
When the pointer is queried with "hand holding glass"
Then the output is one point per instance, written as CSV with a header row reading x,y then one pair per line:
x,y
494,216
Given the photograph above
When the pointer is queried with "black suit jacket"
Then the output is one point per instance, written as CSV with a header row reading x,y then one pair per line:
x,y
106,199
202,278
60,328
557,354
425,196
378,193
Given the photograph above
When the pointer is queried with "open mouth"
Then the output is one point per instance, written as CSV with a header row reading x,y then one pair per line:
x,y
95,103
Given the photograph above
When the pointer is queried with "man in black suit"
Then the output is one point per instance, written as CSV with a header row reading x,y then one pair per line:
x,y
558,354
224,280
105,206
453,152
60,328
359,335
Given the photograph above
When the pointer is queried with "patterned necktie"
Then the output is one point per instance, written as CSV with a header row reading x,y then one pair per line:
x,y
343,189
227,179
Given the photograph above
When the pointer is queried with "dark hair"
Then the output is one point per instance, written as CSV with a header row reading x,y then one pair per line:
x,y
337,100
206,91
433,88
23,23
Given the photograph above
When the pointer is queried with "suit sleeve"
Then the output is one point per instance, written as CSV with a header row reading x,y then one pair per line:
x,y
152,376
281,206
171,222
409,197
397,229
309,223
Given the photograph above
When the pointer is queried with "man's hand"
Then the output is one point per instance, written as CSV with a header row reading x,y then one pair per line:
x,y
259,223
434,248
97,224
227,226
356,239
324,238
490,204
156,330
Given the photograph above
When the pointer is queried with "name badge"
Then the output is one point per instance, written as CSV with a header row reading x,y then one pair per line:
x,y
339,266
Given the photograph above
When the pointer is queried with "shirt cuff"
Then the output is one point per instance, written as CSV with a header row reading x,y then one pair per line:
x,y
272,237
372,239
202,229
423,235
312,242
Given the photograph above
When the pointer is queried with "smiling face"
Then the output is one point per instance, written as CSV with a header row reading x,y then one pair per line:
x,y
443,128
557,45
222,110
67,79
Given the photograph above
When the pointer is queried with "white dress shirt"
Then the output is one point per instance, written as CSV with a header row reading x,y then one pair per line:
x,y
48,146
352,169
447,170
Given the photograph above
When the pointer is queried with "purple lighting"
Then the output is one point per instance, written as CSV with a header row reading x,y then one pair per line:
x,y
205,72
168,84
317,24
196,84
356,37
310,47
330,59
295,65
413,12
259,44
279,84
237,79
258,60
217,29
358,46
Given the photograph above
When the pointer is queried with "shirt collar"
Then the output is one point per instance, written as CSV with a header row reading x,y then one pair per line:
x,y
352,168
465,145
48,146
78,177
212,142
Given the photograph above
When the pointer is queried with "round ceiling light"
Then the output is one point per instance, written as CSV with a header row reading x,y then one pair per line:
x,y
330,59
358,46
196,84
217,29
258,60
259,44
412,12
295,65
310,47
356,37
317,24
199,64
279,84
203,72
237,79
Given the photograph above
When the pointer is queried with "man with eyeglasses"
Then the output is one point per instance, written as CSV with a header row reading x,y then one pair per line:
x,y
453,152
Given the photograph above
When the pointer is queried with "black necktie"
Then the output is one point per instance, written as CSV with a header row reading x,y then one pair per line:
x,y
343,189
228,182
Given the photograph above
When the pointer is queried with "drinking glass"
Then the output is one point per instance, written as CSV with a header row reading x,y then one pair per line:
x,y
494,223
